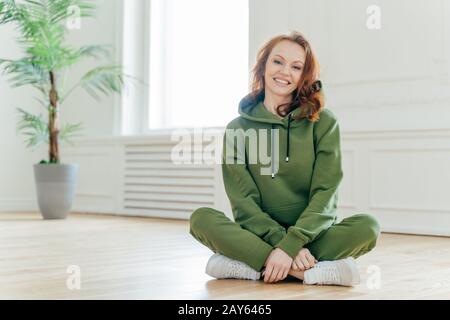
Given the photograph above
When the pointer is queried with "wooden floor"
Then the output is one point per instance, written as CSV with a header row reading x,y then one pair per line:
x,y
141,258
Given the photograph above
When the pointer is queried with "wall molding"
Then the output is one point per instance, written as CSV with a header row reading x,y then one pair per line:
x,y
106,194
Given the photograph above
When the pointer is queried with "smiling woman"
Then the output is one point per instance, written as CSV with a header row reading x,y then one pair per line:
x,y
285,220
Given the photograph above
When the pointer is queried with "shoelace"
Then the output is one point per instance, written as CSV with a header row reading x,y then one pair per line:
x,y
237,269
328,273
234,269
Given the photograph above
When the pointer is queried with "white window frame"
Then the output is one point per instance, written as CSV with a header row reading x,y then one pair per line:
x,y
134,56
133,118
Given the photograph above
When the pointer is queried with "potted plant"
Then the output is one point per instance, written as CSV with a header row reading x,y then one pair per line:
x,y
42,28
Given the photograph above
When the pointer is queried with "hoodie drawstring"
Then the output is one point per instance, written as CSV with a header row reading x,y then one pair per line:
x,y
272,144
272,147
288,136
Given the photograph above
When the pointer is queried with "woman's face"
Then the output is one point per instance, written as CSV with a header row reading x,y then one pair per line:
x,y
284,68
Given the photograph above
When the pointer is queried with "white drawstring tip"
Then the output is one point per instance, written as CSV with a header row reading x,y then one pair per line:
x,y
287,159
273,175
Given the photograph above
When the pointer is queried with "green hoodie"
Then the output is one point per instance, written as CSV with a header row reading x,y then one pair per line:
x,y
291,206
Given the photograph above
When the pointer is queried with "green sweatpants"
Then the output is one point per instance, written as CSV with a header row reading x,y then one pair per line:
x,y
352,237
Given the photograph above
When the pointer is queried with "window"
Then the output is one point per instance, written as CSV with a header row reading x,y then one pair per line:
x,y
198,62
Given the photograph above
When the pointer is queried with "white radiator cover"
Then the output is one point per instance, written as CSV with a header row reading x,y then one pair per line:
x,y
154,186
401,178
136,176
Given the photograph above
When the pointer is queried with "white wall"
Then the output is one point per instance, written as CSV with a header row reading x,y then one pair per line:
x,y
389,89
394,78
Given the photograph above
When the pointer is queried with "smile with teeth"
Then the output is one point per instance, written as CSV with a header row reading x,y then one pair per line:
x,y
282,82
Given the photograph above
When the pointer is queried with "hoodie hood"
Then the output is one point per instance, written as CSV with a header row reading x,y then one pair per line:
x,y
253,109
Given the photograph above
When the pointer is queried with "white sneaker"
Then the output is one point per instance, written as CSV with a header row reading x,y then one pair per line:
x,y
221,267
342,272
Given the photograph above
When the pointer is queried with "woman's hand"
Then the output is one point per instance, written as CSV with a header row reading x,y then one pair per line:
x,y
304,260
277,265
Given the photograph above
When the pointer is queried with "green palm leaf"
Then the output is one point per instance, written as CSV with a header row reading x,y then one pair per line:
x,y
95,51
34,128
106,80
70,131
24,72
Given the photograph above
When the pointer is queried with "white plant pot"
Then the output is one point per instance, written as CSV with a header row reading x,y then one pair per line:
x,y
55,187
